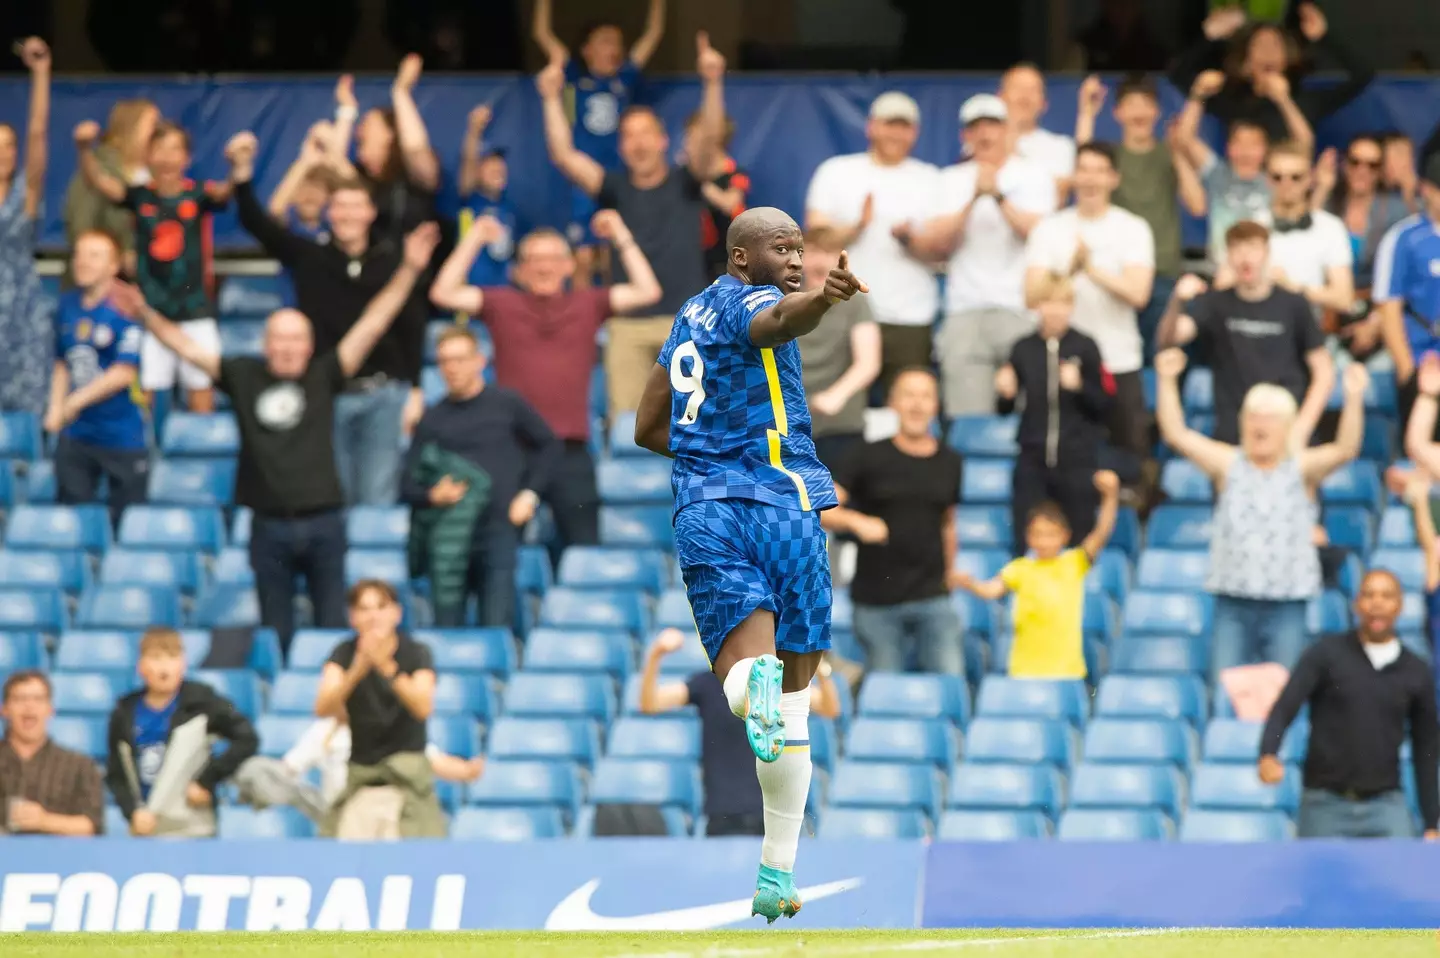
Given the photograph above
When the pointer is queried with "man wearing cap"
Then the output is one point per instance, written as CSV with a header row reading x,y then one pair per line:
x,y
1407,286
876,200
988,205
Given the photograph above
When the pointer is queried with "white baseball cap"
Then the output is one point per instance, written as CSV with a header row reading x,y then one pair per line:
x,y
895,105
983,106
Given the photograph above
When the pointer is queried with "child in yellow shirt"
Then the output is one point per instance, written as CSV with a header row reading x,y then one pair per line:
x,y
1049,588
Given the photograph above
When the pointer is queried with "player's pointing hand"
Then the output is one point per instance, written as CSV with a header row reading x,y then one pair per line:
x,y
842,284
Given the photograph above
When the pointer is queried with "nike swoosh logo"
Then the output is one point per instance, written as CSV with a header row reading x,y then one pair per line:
x,y
575,914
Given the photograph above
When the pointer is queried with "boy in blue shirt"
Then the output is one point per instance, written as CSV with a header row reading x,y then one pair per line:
x,y
484,176
92,407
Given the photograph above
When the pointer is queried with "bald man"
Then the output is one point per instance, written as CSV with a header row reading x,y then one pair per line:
x,y
727,402
1022,87
285,407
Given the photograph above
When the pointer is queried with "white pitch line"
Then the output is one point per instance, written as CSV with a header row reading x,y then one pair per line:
x,y
934,944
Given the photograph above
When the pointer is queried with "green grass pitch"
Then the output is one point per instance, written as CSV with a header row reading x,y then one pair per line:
x,y
745,944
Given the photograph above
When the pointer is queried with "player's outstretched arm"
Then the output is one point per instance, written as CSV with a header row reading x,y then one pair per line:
x,y
799,313
652,419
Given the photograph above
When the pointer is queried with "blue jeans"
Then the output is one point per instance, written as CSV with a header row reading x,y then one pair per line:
x,y
929,627
281,551
1149,317
1328,815
1248,631
367,443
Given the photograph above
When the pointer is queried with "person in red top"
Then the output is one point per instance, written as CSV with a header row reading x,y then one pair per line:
x,y
725,191
544,336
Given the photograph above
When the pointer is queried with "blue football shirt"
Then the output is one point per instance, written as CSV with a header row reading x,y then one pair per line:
x,y
597,103
740,425
1407,268
89,341
320,233
152,732
491,266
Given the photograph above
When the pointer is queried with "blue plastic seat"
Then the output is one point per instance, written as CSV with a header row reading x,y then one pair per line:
x,y
88,736
986,481
1179,527
1407,564
646,527
457,694
981,563
896,695
1004,697
1113,825
1016,741
193,482
533,573
455,735
65,570
1327,613
521,824
1008,787
1397,527
634,481
1152,696
240,527
580,650
21,650
1167,613
240,686
151,567
84,693
1179,569
984,527
824,739
688,659
1161,654
1355,483
1106,785
200,434
610,568
33,608
279,733
1199,390
38,486
622,436
181,528
980,436
511,782
242,337
293,693
276,823
129,607
377,527
974,825
1234,787
1183,482
673,738
228,606
595,609
1232,740
84,528
646,782
1209,825
1133,741
490,650
559,695
872,824
858,784
1378,444
251,295
388,565
1111,575
571,740
1351,527
310,649
1412,614
232,567
111,650
19,436
10,484
927,741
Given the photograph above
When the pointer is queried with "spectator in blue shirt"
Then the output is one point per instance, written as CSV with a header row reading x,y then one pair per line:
x,y
484,176
1407,286
599,87
92,404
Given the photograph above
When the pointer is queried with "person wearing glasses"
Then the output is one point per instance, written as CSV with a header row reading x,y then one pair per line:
x,y
1310,251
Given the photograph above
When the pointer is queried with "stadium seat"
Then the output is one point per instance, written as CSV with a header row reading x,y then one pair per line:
x,y
66,570
1209,825
1183,482
232,567
1161,654
1327,613
242,337
1113,825
872,824
622,437
629,781
181,528
240,686
1412,614
279,733
690,657
521,824
1105,785
84,693
570,740
21,650
1179,527
1167,613
20,436
34,608
634,481
610,568
490,650
673,738
200,434
1179,569
457,694
10,485
310,648
1350,527
982,436
253,295
1017,741
1199,390
1407,564
377,527
927,741
580,650
1397,527
455,735
895,695
646,527
971,825
1232,740
981,563
38,486
88,736
228,606
85,528
1110,575
116,825
824,738
279,822
983,527
389,565
1378,444
595,609
1004,697
1008,787
985,481
110,650
1126,536
151,567
1355,483
886,785
128,607
1133,741
533,573
240,527
1152,696
193,482
559,695
293,693
1234,787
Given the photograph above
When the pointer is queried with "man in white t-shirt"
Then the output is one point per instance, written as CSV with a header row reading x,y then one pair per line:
x,y
987,205
1110,252
874,199
1310,250
1022,87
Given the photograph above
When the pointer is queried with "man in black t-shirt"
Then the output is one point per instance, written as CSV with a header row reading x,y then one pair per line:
x,y
384,683
899,500
285,407
1255,332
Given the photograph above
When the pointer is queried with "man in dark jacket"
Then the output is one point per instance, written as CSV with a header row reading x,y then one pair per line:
x,y
162,731
1066,394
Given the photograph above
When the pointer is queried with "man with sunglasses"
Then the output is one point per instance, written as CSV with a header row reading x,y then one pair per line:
x,y
1407,286
1310,251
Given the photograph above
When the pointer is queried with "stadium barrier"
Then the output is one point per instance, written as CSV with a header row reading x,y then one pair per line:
x,y
672,885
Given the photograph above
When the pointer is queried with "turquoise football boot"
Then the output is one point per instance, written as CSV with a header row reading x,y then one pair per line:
x,y
775,895
763,724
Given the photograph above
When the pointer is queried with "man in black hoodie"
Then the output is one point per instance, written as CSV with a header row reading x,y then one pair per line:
x,y
141,731
1066,394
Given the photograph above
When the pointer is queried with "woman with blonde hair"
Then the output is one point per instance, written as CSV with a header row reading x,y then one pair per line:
x,y
122,153
1264,566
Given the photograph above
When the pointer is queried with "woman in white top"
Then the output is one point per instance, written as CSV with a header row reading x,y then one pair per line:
x,y
1263,562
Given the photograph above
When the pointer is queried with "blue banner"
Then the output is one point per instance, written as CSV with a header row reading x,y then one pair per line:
x,y
1310,884
601,885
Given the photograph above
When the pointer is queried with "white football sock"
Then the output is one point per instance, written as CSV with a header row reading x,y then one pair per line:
x,y
785,784
735,686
